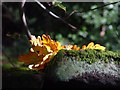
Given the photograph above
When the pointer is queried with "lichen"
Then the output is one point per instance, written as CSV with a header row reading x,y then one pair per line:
x,y
69,63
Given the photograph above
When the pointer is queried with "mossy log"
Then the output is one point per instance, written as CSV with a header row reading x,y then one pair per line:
x,y
87,68
71,69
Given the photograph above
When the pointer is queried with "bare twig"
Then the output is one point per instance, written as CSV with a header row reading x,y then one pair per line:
x,y
27,31
75,11
102,6
55,16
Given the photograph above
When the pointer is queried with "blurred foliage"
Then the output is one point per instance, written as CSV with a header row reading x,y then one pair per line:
x,y
59,4
99,25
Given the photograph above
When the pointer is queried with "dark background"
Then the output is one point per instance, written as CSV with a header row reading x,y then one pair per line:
x,y
100,25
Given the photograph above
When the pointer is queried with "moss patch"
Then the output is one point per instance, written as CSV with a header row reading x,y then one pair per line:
x,y
89,56
68,63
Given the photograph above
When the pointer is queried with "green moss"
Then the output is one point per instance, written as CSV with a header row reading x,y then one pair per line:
x,y
89,56
69,63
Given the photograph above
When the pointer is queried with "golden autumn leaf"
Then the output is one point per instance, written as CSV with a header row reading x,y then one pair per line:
x,y
84,47
92,46
46,39
75,47
54,46
36,67
97,46
41,52
30,58
36,41
71,47
67,47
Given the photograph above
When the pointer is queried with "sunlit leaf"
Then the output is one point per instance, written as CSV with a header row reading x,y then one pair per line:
x,y
92,46
59,4
30,58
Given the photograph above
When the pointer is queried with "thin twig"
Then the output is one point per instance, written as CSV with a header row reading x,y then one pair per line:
x,y
27,31
75,11
101,6
55,16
